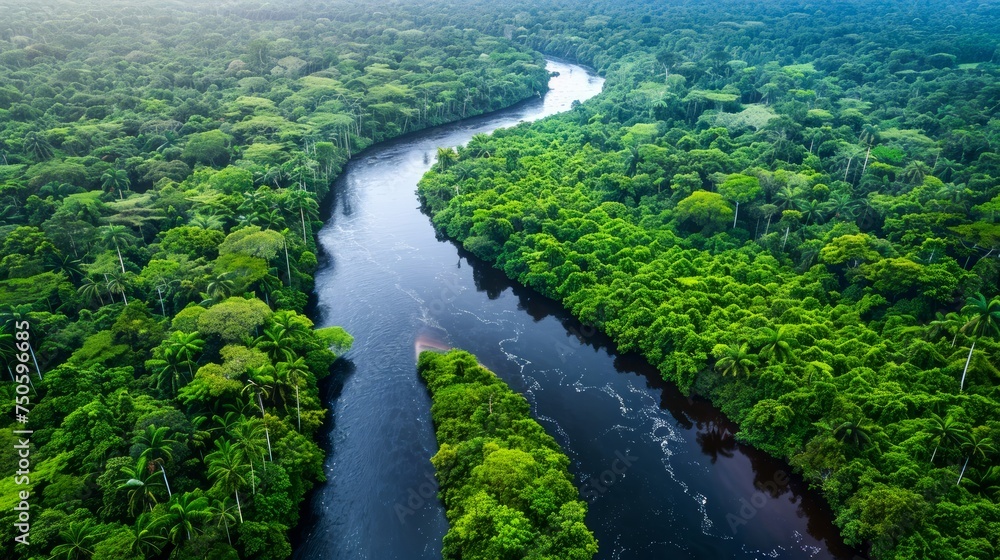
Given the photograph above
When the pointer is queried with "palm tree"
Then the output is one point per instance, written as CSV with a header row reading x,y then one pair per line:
x,y
869,134
949,324
813,210
220,287
183,347
227,468
944,168
260,383
987,483
276,342
207,221
221,511
632,160
90,289
248,433
157,449
292,374
141,482
984,318
168,378
200,437
768,210
186,514
115,235
293,323
115,180
147,534
12,314
307,206
164,286
915,171
37,146
67,265
732,358
976,446
853,432
849,152
786,197
78,541
843,205
118,283
268,218
946,431
269,284
953,193
777,344
446,157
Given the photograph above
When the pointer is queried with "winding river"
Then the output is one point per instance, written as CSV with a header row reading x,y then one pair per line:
x,y
663,476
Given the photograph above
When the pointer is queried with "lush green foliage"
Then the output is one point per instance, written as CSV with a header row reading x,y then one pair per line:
x,y
505,483
792,212
160,173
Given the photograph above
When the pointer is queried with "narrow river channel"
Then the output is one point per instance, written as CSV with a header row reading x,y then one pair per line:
x,y
663,476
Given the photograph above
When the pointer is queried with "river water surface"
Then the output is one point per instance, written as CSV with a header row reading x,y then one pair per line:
x,y
662,474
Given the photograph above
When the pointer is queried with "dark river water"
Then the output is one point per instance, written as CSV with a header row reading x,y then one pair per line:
x,y
663,476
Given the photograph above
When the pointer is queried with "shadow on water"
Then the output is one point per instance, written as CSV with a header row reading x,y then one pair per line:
x,y
330,388
714,432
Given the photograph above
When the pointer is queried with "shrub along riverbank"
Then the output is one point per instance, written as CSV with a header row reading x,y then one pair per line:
x,y
504,482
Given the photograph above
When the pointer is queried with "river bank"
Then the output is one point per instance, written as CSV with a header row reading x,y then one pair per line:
x,y
388,277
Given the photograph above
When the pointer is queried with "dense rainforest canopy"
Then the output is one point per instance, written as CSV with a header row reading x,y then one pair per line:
x,y
505,483
160,173
789,207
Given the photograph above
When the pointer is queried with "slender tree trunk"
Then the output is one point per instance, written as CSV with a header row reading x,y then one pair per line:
x,y
935,452
298,411
737,214
38,370
785,240
865,166
267,433
160,294
164,472
239,508
302,215
961,474
120,260
961,385
288,264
